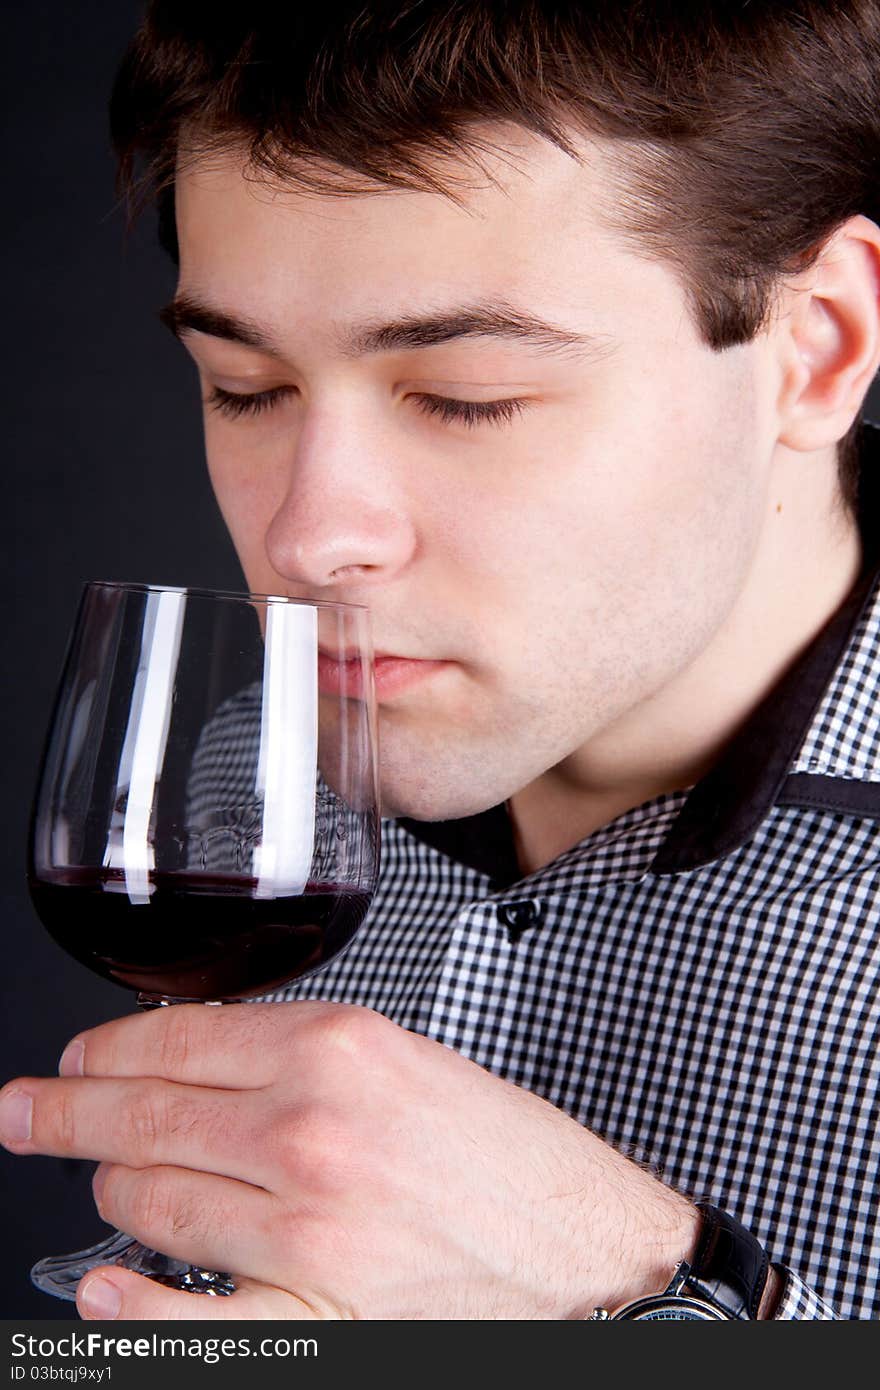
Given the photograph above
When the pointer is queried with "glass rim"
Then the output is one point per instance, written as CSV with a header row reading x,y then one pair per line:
x,y
240,596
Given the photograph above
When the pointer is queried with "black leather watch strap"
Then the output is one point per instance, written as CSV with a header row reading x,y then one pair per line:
x,y
730,1267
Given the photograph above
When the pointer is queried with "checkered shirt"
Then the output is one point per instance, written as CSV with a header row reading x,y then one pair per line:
x,y
698,981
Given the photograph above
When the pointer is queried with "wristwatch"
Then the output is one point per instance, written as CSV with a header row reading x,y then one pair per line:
x,y
724,1283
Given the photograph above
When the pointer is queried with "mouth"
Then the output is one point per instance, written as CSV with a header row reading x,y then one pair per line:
x,y
347,676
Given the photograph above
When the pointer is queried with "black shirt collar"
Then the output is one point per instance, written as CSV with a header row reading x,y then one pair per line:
x,y
725,808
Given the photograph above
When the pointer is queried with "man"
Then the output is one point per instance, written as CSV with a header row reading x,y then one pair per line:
x,y
547,337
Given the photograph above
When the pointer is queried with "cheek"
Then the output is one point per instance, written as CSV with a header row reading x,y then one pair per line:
x,y
654,477
636,539
246,500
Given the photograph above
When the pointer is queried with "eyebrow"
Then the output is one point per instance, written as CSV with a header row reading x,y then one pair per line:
x,y
186,313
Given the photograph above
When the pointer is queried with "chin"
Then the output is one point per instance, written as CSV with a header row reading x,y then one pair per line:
x,y
437,800
435,812
447,773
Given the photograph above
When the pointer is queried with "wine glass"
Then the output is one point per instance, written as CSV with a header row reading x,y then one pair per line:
x,y
206,822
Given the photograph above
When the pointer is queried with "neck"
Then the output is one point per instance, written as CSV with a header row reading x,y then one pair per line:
x,y
807,560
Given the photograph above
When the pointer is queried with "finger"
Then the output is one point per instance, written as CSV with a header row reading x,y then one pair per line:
x,y
236,1045
139,1122
211,1222
110,1292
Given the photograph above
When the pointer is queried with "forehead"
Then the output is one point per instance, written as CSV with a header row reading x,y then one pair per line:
x,y
527,224
516,193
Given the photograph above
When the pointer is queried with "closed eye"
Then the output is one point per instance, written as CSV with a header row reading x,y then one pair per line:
x,y
234,405
470,412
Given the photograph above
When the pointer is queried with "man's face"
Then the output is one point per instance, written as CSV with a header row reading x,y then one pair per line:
x,y
548,565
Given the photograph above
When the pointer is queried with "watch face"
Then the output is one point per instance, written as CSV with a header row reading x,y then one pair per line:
x,y
668,1308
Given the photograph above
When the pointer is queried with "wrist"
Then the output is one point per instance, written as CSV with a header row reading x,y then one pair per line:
x,y
666,1233
726,1275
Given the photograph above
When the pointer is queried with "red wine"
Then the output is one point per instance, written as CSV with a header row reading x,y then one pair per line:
x,y
200,936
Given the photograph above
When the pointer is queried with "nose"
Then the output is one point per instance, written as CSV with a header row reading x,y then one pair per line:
x,y
343,517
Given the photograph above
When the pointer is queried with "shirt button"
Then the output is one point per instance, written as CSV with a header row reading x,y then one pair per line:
x,y
519,917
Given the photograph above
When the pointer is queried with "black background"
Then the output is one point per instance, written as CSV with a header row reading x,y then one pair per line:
x,y
101,439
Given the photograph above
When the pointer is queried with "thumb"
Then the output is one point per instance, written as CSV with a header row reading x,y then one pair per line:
x,y
110,1292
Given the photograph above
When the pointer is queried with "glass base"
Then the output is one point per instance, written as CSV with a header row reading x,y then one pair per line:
x,y
60,1274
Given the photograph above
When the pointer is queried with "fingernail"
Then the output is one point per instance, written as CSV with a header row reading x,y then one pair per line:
x,y
98,1185
71,1063
16,1114
100,1299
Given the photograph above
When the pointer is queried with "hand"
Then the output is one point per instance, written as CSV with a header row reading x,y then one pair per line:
x,y
341,1167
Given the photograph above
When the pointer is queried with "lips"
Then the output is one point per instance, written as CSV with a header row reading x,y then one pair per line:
x,y
347,676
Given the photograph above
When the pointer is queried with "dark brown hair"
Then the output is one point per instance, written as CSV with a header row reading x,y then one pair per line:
x,y
749,129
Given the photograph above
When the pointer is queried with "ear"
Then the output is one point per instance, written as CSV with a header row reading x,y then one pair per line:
x,y
830,338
